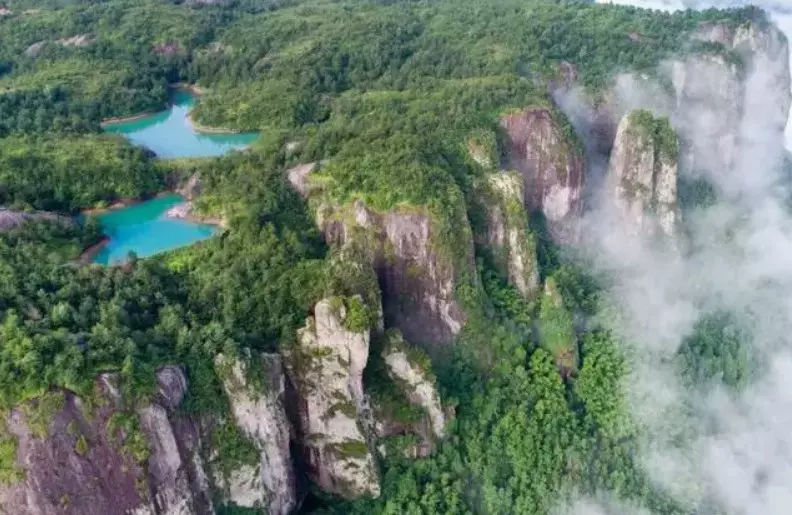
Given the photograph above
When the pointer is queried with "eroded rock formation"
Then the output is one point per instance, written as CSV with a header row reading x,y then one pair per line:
x,y
260,415
82,458
642,175
418,280
326,366
506,233
552,167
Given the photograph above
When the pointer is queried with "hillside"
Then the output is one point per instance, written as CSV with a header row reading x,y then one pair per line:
x,y
471,239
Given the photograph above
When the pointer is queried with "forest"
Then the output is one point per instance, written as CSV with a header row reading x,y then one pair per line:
x,y
386,91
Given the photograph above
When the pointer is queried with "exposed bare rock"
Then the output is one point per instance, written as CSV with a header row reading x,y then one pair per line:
x,y
80,40
80,459
642,175
506,233
418,282
12,219
412,370
298,178
35,49
179,211
191,188
327,368
711,90
259,413
710,94
552,166
567,76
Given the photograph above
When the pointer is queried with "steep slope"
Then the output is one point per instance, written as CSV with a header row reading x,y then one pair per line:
x,y
642,175
552,167
417,272
327,368
505,233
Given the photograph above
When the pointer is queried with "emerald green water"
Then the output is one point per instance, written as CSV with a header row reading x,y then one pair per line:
x,y
169,133
143,229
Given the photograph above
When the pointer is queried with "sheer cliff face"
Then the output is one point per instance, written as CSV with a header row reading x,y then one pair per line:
x,y
327,367
100,459
82,462
260,415
417,280
715,91
553,169
642,175
506,232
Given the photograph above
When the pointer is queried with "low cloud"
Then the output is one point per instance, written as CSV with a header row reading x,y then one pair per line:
x,y
737,453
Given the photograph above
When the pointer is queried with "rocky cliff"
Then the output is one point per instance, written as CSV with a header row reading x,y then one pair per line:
x,y
96,456
505,230
642,174
327,366
417,274
411,370
552,167
85,457
259,413
417,278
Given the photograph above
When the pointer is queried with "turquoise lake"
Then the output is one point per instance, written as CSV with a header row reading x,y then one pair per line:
x,y
143,229
169,133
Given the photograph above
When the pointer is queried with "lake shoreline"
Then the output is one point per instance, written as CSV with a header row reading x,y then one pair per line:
x,y
90,253
180,211
124,119
205,129
192,89
126,202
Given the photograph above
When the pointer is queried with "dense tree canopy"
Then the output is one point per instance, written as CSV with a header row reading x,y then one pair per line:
x,y
388,92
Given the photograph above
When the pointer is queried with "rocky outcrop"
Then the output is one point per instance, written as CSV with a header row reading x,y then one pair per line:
x,y
716,90
642,175
326,366
552,167
412,371
10,219
417,276
191,187
85,458
505,232
298,178
259,413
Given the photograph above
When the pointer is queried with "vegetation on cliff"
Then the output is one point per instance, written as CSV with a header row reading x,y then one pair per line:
x,y
390,94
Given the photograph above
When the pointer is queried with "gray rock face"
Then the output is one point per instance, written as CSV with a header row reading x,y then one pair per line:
x,y
715,91
642,176
552,167
80,464
259,412
418,283
507,235
192,188
417,381
298,178
327,368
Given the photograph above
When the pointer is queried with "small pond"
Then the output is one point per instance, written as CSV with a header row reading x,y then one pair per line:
x,y
169,134
144,229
